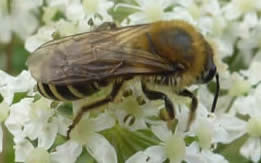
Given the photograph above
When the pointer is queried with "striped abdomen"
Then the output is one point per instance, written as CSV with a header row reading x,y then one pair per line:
x,y
70,92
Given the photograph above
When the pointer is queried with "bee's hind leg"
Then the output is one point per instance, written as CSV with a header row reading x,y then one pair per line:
x,y
155,95
114,92
193,106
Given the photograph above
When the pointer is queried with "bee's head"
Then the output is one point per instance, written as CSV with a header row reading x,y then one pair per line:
x,y
209,68
209,72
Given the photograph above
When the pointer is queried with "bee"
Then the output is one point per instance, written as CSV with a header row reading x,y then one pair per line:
x,y
170,54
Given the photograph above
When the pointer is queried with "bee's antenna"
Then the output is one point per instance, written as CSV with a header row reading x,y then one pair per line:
x,y
216,95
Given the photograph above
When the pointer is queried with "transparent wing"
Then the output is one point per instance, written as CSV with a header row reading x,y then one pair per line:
x,y
94,56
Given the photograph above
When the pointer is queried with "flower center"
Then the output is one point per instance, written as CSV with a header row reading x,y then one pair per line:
x,y
254,126
175,148
246,5
194,11
153,12
91,6
38,155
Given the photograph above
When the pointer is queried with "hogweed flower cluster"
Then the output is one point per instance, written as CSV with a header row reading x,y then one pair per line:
x,y
126,131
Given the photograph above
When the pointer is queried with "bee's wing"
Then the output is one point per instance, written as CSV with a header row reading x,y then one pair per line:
x,y
94,56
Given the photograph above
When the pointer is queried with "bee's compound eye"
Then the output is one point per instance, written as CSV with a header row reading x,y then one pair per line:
x,y
209,74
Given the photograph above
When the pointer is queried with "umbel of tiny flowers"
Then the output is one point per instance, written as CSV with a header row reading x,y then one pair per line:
x,y
15,16
232,27
148,11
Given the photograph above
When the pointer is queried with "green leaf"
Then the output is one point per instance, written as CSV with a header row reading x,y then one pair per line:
x,y
231,151
127,143
65,109
85,157
18,96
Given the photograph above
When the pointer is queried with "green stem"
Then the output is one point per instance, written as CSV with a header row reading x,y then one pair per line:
x,y
9,54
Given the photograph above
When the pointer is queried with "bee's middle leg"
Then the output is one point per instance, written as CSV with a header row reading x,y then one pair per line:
x,y
193,106
155,95
114,92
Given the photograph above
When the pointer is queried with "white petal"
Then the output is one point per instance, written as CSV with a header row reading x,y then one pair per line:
x,y
213,157
252,149
231,12
19,115
20,25
183,14
13,127
22,149
251,19
193,154
156,154
75,11
33,43
175,148
32,130
102,122
4,111
23,82
38,155
137,18
66,153
11,85
161,131
43,35
229,128
101,149
139,157
245,105
62,123
47,136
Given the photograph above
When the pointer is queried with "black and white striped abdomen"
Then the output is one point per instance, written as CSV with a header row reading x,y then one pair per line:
x,y
69,92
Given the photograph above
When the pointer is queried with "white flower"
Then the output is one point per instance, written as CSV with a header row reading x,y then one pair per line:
x,y
187,10
250,44
98,7
194,154
23,148
43,35
9,85
61,28
65,28
153,154
36,121
238,85
4,111
86,133
172,146
75,11
252,73
38,155
66,153
148,11
211,129
250,106
237,8
16,19
133,115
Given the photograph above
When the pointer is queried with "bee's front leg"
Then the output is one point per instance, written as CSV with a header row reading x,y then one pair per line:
x,y
193,106
155,95
114,92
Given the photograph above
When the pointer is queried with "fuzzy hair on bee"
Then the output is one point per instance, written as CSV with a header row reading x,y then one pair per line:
x,y
165,53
